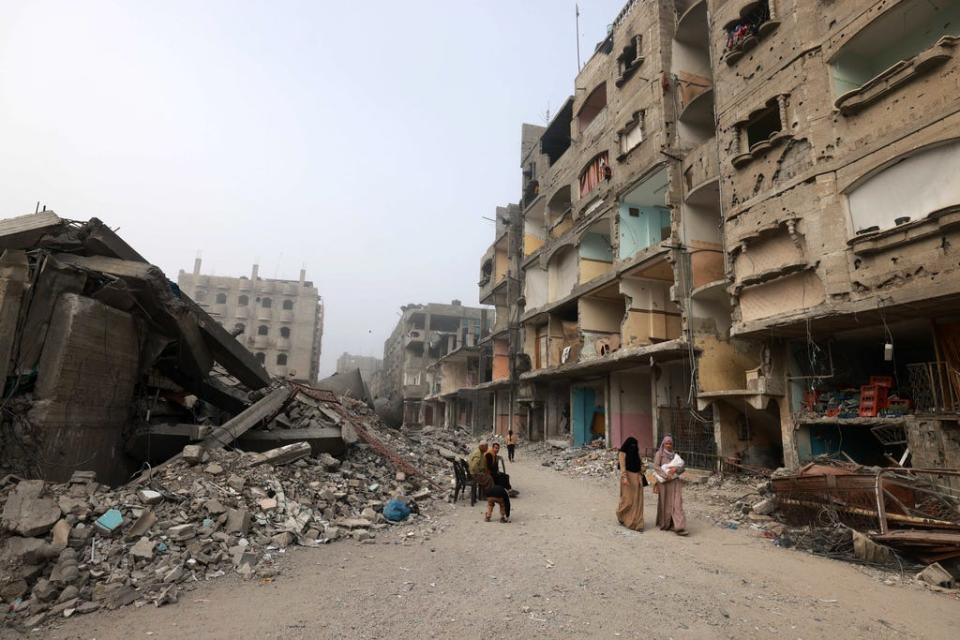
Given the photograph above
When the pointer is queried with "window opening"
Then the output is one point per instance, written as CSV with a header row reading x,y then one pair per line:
x,y
262,330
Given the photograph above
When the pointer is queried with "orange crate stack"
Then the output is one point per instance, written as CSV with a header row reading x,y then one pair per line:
x,y
873,398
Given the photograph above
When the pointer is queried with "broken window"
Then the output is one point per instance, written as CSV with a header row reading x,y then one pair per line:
x,y
266,303
745,32
763,126
243,301
596,170
282,359
221,298
284,332
262,330
261,357
631,134
761,130
629,59
556,139
592,106
288,305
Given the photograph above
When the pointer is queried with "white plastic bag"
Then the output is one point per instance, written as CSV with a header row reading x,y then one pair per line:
x,y
676,463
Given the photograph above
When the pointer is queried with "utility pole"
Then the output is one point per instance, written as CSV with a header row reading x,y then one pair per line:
x,y
577,7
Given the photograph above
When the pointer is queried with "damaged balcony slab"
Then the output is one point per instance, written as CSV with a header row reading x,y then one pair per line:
x,y
25,232
623,358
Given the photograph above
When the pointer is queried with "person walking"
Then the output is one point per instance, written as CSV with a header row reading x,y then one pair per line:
x,y
498,496
632,481
511,445
670,516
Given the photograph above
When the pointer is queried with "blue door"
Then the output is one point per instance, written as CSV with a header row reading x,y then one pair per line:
x,y
584,401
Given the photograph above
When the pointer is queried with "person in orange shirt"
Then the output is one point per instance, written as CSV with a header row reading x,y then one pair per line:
x,y
511,444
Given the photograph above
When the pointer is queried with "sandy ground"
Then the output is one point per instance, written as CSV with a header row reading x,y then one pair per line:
x,y
562,569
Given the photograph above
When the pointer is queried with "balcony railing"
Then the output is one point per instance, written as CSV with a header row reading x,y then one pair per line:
x,y
934,387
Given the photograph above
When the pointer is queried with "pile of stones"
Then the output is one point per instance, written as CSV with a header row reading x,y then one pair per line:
x,y
73,548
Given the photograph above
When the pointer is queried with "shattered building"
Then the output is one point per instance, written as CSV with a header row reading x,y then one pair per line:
x,y
279,321
738,230
423,335
107,366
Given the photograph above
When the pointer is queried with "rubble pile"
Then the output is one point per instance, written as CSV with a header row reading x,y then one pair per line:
x,y
587,461
79,546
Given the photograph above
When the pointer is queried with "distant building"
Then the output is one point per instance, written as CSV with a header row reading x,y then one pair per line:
x,y
280,321
423,335
368,365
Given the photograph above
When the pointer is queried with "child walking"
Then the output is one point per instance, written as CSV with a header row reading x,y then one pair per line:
x,y
498,495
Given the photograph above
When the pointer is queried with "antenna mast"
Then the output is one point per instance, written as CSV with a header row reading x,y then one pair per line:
x,y
577,7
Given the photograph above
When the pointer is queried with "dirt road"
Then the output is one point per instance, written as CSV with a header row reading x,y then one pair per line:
x,y
562,569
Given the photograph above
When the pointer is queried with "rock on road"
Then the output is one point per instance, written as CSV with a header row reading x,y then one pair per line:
x,y
562,569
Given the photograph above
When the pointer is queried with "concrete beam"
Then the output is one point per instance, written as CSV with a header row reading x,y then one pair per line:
x,y
259,412
23,232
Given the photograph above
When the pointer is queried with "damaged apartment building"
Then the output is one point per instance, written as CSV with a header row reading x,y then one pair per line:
x,y
739,230
279,321
424,334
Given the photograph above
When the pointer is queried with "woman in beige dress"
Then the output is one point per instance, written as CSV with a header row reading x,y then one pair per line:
x,y
670,516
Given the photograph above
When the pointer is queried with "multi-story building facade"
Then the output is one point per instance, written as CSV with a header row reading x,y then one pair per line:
x,y
279,321
423,335
738,231
369,366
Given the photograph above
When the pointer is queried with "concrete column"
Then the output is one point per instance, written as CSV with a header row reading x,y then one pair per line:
x,y
196,266
782,106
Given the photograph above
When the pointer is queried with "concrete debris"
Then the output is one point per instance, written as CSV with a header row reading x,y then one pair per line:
x,y
29,513
206,525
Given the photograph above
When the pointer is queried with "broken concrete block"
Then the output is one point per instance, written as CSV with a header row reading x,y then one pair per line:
x,y
213,469
149,496
26,551
193,453
67,569
328,462
214,507
143,549
44,590
61,535
282,455
182,532
765,507
13,589
142,525
69,592
267,504
235,482
284,539
109,523
937,576
238,521
29,514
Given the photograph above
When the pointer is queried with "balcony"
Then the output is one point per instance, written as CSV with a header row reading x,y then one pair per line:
x,y
701,170
692,24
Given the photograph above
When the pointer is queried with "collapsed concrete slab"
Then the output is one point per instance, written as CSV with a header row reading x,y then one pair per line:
x,y
86,375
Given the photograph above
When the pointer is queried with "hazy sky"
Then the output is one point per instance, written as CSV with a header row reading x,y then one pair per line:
x,y
362,140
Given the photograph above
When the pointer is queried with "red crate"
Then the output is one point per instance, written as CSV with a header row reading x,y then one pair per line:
x,y
873,398
883,381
